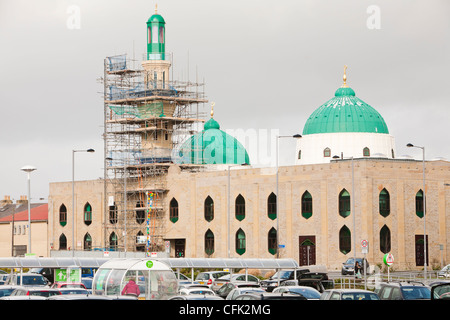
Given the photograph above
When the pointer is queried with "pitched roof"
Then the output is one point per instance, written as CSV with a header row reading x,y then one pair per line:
x,y
39,212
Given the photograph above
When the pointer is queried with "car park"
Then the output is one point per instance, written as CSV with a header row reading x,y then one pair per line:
x,y
348,267
226,288
269,296
209,276
404,290
348,294
236,278
234,293
308,292
27,279
316,279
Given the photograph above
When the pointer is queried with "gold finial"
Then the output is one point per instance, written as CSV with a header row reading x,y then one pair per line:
x,y
344,85
156,8
212,109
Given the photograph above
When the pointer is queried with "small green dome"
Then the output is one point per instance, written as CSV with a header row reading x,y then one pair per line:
x,y
345,113
156,18
212,146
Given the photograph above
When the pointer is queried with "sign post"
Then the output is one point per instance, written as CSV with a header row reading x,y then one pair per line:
x,y
365,250
388,260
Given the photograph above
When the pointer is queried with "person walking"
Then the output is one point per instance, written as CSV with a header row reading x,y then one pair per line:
x,y
131,289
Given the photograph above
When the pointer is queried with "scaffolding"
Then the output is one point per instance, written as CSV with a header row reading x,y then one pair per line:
x,y
145,120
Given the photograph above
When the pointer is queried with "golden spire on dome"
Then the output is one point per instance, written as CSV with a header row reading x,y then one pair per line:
x,y
156,8
212,109
344,85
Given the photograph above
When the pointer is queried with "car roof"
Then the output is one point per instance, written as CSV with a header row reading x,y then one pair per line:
x,y
349,290
296,287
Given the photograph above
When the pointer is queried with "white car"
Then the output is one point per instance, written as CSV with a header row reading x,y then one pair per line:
x,y
196,289
238,291
445,272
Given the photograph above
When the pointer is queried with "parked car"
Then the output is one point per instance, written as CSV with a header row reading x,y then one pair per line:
x,y
308,292
281,276
87,281
348,294
196,289
35,291
227,287
3,277
90,297
445,272
316,280
440,291
408,290
182,277
74,291
6,290
348,267
69,285
23,298
236,278
208,277
27,279
269,296
234,293
196,297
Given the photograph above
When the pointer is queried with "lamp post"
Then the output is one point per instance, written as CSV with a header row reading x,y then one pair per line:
x,y
410,145
228,203
73,196
278,198
28,169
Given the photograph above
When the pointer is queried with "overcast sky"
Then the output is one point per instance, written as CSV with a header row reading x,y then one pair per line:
x,y
267,66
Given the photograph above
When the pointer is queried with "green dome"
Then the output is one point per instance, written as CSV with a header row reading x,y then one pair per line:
x,y
345,113
212,146
156,18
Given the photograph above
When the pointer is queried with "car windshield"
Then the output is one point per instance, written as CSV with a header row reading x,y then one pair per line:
x,y
44,293
308,294
219,274
359,296
413,293
33,280
282,275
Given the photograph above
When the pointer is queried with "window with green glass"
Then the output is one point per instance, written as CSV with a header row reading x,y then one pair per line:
x,y
384,203
62,215
419,204
62,242
209,209
306,205
272,241
327,152
240,242
113,241
87,214
272,206
209,242
344,203
173,210
87,242
366,152
345,240
239,207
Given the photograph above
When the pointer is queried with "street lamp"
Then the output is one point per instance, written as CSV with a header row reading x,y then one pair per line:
x,y
73,196
297,136
228,202
28,169
410,145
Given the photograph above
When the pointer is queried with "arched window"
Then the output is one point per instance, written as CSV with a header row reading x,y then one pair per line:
x,y
62,215
62,242
209,209
272,241
419,203
344,203
327,152
87,214
239,206
366,152
299,155
87,242
209,242
345,240
272,206
113,242
240,242
113,214
385,239
140,213
306,205
384,203
173,210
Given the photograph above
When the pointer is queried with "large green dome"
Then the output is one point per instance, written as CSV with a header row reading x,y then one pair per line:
x,y
345,113
212,146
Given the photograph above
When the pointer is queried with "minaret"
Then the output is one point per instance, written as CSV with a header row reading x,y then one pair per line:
x,y
155,65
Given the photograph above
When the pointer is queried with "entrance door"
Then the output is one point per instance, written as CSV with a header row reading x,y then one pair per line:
x,y
307,250
180,245
419,251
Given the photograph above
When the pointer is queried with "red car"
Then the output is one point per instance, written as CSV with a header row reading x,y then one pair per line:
x,y
68,285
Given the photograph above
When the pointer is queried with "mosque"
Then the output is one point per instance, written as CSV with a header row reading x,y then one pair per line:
x,y
203,198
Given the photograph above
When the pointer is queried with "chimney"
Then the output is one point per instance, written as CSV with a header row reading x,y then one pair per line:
x,y
6,200
23,200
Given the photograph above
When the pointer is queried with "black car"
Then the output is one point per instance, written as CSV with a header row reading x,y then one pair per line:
x,y
317,280
406,290
348,267
280,277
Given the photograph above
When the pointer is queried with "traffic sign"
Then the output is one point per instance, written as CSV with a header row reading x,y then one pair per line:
x,y
364,246
388,259
61,275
